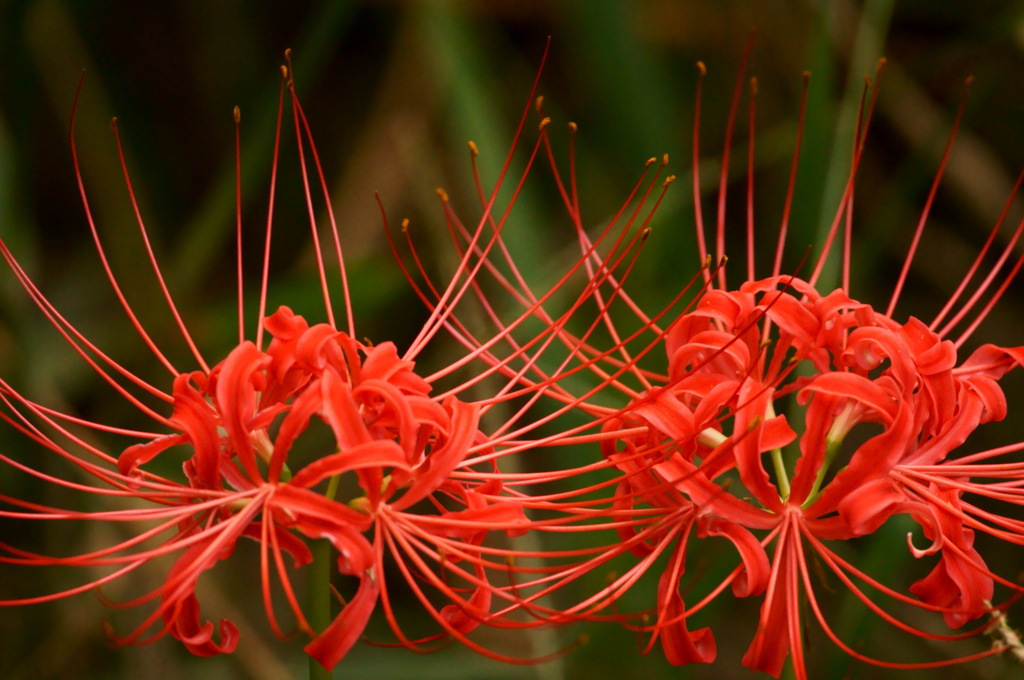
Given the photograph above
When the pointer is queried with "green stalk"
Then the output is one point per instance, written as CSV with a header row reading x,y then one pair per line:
x,y
832,447
780,473
318,590
318,599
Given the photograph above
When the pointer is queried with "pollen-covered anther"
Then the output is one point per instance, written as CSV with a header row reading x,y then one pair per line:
x,y
669,180
361,504
664,159
405,221
645,233
238,114
472,148
650,161
544,123
702,68
443,194
573,127
540,102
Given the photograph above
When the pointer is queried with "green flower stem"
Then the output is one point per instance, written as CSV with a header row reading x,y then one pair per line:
x,y
778,461
832,447
318,599
318,589
780,473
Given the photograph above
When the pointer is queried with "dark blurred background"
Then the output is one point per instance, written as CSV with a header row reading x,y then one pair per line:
x,y
393,91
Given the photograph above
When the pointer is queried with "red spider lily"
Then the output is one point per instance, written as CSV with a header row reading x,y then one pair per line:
x,y
715,423
414,455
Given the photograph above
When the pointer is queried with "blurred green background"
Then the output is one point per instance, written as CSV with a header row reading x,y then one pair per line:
x,y
393,91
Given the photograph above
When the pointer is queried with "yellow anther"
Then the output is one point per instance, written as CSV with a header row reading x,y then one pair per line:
x,y
288,53
405,223
572,126
284,71
361,504
702,68
238,115
540,103
443,194
669,180
707,260
664,159
650,162
472,148
544,123
645,233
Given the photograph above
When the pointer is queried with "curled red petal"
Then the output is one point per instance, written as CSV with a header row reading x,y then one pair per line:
x,y
441,462
376,454
331,646
756,569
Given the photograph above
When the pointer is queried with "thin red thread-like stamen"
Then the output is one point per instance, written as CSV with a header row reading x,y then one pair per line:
x,y
796,642
99,245
702,248
928,203
841,210
989,278
238,225
848,227
73,337
149,250
330,214
432,325
805,574
991,303
723,181
794,166
977,260
270,214
311,213
750,181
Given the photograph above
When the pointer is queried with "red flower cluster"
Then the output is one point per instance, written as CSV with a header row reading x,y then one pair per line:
x,y
709,447
715,423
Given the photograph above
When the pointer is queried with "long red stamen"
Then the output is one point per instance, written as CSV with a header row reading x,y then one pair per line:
x,y
928,203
